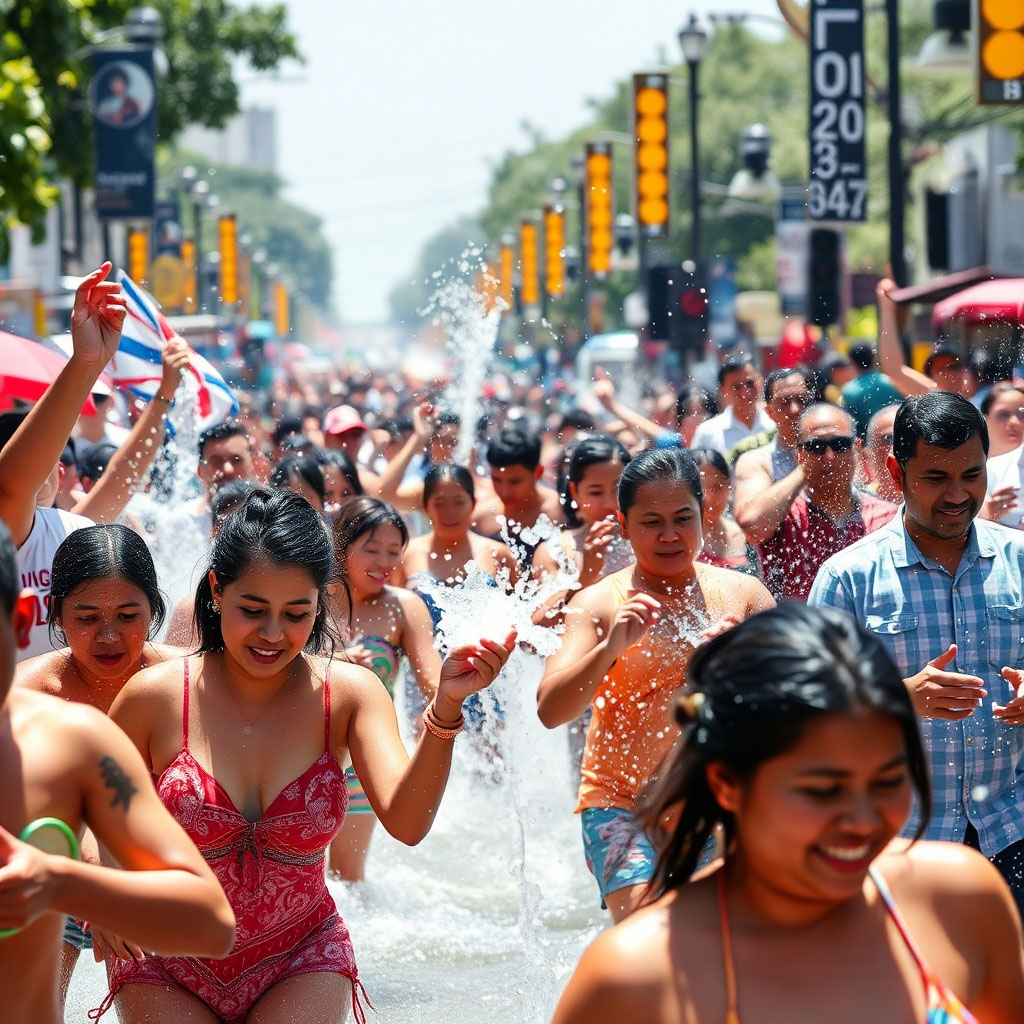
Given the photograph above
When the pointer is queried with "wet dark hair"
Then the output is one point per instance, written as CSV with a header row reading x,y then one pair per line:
x,y
862,355
347,468
442,473
686,395
283,528
658,465
285,426
938,418
9,423
97,553
711,457
1000,388
10,585
297,444
93,462
299,467
512,446
733,364
751,694
577,419
775,376
221,432
228,497
579,457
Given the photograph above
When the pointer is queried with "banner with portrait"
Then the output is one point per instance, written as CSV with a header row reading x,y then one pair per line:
x,y
123,102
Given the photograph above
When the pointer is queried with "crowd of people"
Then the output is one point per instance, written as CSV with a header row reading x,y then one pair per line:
x,y
791,678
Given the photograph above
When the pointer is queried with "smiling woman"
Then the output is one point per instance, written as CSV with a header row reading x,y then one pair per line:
x,y
247,740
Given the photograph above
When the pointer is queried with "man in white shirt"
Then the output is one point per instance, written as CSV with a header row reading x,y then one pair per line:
x,y
1005,500
739,389
31,444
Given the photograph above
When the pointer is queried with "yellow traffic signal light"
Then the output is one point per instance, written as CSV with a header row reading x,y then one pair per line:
x,y
554,250
138,254
1000,51
506,270
529,263
650,133
598,207
188,258
282,314
227,234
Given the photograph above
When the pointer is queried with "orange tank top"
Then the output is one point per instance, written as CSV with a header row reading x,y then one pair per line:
x,y
631,728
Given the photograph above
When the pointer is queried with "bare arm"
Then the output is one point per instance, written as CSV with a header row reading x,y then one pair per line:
x,y
405,792
106,501
890,351
417,640
604,392
760,505
390,487
30,455
589,649
167,900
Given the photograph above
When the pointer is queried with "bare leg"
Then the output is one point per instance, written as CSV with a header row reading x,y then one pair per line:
x,y
321,998
350,846
69,955
622,902
158,1004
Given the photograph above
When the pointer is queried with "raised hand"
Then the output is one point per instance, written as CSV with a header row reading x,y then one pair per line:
x,y
108,946
468,669
632,620
97,318
24,882
597,538
175,357
1012,712
424,420
936,693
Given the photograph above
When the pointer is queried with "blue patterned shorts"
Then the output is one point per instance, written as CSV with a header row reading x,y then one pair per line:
x,y
618,853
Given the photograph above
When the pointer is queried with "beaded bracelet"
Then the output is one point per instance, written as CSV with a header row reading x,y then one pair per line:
x,y
442,732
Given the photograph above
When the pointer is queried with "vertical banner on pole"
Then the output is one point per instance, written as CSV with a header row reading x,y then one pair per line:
x,y
123,102
506,271
188,258
839,183
598,207
651,171
529,262
227,235
554,250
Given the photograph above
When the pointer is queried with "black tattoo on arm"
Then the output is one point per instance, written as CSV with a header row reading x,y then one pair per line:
x,y
114,778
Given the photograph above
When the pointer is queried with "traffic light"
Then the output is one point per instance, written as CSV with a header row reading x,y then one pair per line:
x,y
227,234
188,257
554,250
650,132
138,254
506,270
824,268
529,263
282,314
1000,42
689,328
598,207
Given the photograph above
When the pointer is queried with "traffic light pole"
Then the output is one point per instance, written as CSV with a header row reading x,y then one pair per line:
x,y
897,243
584,276
695,162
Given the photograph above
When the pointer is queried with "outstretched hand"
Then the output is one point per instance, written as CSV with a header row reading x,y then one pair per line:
x,y
175,358
97,318
1012,712
468,669
24,882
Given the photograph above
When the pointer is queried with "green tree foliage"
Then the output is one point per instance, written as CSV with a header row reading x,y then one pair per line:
x,y
293,237
744,79
45,127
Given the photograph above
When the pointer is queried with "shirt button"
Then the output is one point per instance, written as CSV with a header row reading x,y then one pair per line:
x,y
970,740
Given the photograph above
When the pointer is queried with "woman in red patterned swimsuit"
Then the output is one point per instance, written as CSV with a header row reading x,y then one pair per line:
x,y
246,740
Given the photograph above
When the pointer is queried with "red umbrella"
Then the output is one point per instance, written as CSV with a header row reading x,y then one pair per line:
x,y
999,299
27,370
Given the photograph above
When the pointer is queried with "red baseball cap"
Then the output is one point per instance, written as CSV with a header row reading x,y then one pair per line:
x,y
341,419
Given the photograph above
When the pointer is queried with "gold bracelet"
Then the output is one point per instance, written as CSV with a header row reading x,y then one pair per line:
x,y
441,731
160,398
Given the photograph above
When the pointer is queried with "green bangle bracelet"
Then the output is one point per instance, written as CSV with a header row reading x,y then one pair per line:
x,y
30,831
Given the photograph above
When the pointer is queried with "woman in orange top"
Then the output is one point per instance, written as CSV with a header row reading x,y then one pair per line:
x,y
627,642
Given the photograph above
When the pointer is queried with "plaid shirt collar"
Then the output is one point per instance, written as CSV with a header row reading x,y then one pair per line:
x,y
980,544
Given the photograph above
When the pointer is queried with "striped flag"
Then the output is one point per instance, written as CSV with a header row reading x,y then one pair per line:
x,y
137,362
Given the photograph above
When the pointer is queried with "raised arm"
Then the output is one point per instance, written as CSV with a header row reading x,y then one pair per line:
x,y
166,900
890,351
604,392
390,487
760,505
589,649
417,641
30,455
114,489
405,792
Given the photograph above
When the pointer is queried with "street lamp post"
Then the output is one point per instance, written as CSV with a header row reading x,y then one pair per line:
x,y
897,242
578,176
693,41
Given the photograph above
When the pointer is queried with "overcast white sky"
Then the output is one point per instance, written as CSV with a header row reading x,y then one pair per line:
x,y
404,106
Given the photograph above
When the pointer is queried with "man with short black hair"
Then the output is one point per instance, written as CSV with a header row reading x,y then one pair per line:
x,y
941,589
739,388
869,391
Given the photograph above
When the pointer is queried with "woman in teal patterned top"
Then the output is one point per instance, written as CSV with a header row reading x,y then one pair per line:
x,y
379,623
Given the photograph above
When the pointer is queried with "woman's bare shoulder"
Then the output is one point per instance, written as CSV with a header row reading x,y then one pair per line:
x,y
41,673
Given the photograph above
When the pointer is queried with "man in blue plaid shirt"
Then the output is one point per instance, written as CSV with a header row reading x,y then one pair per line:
x,y
943,590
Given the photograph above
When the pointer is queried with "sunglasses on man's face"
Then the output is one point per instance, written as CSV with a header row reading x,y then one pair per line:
x,y
817,445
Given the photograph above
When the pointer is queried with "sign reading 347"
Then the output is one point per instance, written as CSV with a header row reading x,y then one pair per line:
x,y
838,188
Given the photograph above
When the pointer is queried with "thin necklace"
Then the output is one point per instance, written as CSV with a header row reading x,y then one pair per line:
x,y
251,723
